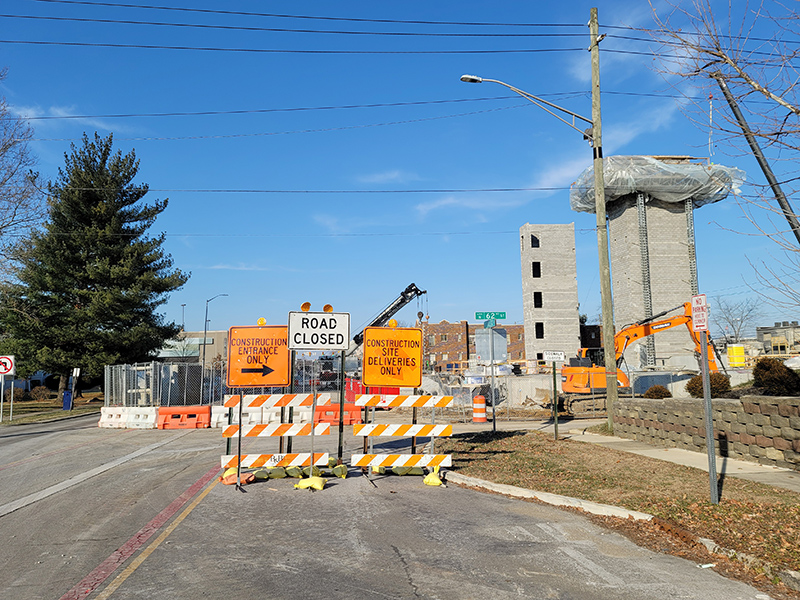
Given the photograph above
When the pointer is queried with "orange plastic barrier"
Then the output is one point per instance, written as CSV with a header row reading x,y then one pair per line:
x,y
330,414
479,409
184,417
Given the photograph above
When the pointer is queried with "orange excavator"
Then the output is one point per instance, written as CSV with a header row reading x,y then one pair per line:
x,y
587,373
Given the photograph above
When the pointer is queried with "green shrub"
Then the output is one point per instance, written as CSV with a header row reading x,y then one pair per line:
x,y
40,393
657,392
720,385
775,378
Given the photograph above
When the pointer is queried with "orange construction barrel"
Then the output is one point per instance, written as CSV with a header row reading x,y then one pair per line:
x,y
479,409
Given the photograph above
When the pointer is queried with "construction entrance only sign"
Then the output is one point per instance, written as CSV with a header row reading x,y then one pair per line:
x,y
392,357
258,356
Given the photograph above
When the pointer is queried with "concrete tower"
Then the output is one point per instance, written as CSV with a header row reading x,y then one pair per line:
x,y
650,203
549,290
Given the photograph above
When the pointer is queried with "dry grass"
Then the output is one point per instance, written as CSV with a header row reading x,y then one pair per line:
x,y
34,411
751,518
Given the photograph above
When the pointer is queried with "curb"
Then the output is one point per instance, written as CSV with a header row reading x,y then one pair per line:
x,y
50,420
594,508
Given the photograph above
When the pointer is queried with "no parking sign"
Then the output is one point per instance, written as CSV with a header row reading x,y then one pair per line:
x,y
7,365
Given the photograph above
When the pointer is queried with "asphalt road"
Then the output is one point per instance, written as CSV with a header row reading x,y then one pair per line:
x,y
76,501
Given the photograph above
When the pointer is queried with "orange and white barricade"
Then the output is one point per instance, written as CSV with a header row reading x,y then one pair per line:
x,y
299,459
266,403
402,430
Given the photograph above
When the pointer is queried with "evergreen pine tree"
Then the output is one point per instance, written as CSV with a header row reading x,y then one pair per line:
x,y
89,284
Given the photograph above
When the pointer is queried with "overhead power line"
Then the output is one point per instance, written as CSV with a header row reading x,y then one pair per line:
x,y
285,29
310,17
282,50
271,133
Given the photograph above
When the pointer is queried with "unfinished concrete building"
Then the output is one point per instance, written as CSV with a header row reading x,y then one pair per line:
x,y
650,202
549,290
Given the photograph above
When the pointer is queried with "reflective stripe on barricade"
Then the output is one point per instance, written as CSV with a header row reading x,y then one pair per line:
x,y
403,401
400,460
276,430
275,460
379,429
277,400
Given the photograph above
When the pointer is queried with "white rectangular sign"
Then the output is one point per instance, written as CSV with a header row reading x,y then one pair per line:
x,y
699,313
319,331
550,356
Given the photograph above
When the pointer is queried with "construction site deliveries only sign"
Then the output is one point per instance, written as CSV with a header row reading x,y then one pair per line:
x,y
392,357
258,356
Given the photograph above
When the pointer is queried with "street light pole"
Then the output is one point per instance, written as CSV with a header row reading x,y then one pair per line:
x,y
205,335
593,134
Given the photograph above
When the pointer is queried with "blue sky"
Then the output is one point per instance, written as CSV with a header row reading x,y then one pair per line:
x,y
340,167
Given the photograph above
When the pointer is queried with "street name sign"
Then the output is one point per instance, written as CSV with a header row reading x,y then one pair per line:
x,y
319,331
699,313
392,357
258,356
7,365
485,316
551,356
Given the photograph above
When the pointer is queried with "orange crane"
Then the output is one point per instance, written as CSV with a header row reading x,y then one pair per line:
x,y
584,376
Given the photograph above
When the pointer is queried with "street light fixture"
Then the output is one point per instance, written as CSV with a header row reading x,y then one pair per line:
x,y
205,334
593,134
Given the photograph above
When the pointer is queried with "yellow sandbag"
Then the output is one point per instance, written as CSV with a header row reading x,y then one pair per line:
x,y
261,474
230,471
332,462
277,473
401,470
294,472
316,483
340,471
417,471
307,471
432,478
379,470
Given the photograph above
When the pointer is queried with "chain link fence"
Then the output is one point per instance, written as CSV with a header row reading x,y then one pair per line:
x,y
170,384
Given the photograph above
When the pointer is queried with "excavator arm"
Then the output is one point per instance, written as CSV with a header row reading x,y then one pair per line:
x,y
584,379
407,295
654,325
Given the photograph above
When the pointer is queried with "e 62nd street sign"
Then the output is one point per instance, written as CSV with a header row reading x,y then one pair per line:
x,y
485,316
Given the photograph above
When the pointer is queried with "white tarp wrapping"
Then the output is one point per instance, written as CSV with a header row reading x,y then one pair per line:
x,y
664,181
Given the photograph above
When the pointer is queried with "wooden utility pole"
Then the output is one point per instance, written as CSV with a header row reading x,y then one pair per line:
x,y
607,306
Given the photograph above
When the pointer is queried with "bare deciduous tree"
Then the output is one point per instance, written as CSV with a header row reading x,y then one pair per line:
x,y
753,49
735,318
22,204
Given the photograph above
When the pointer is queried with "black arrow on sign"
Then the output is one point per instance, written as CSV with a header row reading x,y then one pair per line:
x,y
265,370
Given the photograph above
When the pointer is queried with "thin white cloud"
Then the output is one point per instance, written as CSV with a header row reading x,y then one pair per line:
x,y
392,176
32,112
241,267
473,203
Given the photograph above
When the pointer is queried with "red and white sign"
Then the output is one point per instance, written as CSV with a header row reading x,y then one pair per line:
x,y
699,313
7,365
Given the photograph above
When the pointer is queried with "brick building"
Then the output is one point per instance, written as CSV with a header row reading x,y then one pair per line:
x,y
448,347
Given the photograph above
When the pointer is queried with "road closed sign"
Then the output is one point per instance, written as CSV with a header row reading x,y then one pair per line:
x,y
319,331
258,356
392,357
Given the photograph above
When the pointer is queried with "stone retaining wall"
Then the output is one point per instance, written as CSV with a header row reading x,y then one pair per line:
x,y
758,428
